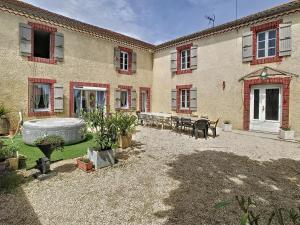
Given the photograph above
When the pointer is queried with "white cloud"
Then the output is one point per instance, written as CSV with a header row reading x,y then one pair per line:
x,y
116,15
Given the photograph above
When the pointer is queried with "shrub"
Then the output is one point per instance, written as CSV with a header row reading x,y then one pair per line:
x,y
286,128
227,122
104,128
8,151
56,142
125,123
280,216
3,110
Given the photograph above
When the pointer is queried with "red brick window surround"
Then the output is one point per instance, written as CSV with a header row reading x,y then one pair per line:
x,y
48,29
147,90
180,50
128,52
87,84
128,89
274,25
285,82
179,89
32,95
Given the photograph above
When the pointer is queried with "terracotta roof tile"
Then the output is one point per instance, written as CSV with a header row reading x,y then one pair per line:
x,y
19,6
25,8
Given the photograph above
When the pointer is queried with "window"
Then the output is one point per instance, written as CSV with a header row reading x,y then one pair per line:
x,y
266,44
184,98
185,59
124,99
41,47
41,97
124,60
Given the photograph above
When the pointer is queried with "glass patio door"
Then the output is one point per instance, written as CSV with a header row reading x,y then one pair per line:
x,y
144,101
265,108
88,99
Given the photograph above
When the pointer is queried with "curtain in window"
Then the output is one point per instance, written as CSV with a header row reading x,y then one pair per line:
x,y
100,99
37,95
46,95
123,99
77,100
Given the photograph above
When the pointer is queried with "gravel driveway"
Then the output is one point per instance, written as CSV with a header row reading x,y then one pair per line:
x,y
167,178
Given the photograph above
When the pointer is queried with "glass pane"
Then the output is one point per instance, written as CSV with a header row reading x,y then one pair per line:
x,y
272,104
188,98
123,98
271,51
272,43
256,104
261,53
261,36
261,45
100,99
272,34
41,96
77,100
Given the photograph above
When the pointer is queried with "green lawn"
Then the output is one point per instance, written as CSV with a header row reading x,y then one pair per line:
x,y
33,153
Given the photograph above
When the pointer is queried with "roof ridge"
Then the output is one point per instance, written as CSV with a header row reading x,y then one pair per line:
x,y
18,5
295,4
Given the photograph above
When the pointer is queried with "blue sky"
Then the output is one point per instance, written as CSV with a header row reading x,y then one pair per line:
x,y
154,21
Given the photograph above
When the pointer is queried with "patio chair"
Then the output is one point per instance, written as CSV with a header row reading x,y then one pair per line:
x,y
175,123
201,125
186,123
213,126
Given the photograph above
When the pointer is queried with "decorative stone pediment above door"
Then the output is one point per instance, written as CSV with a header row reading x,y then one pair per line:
x,y
266,99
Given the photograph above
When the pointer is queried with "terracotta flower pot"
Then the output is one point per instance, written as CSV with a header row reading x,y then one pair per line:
x,y
13,163
85,166
4,125
125,141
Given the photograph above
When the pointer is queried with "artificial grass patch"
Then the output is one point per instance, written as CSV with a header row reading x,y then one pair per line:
x,y
33,153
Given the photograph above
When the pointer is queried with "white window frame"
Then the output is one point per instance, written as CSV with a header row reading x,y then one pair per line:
x,y
186,99
184,54
49,100
266,47
127,95
124,60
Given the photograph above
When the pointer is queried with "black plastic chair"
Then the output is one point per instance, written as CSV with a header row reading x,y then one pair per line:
x,y
201,125
186,123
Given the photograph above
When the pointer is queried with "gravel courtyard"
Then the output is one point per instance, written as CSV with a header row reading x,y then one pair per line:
x,y
166,178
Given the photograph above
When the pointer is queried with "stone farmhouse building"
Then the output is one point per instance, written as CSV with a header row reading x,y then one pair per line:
x,y
245,71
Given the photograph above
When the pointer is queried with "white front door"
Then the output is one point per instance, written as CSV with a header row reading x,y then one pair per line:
x,y
265,108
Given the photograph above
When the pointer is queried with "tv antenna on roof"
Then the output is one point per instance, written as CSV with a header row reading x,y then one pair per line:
x,y
211,19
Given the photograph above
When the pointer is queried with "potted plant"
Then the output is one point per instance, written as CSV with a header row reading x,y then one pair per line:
x,y
227,126
22,162
286,133
4,124
101,153
85,164
3,156
8,156
11,150
49,143
126,125
13,124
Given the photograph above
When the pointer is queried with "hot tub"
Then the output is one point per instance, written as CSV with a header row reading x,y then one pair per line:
x,y
68,128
